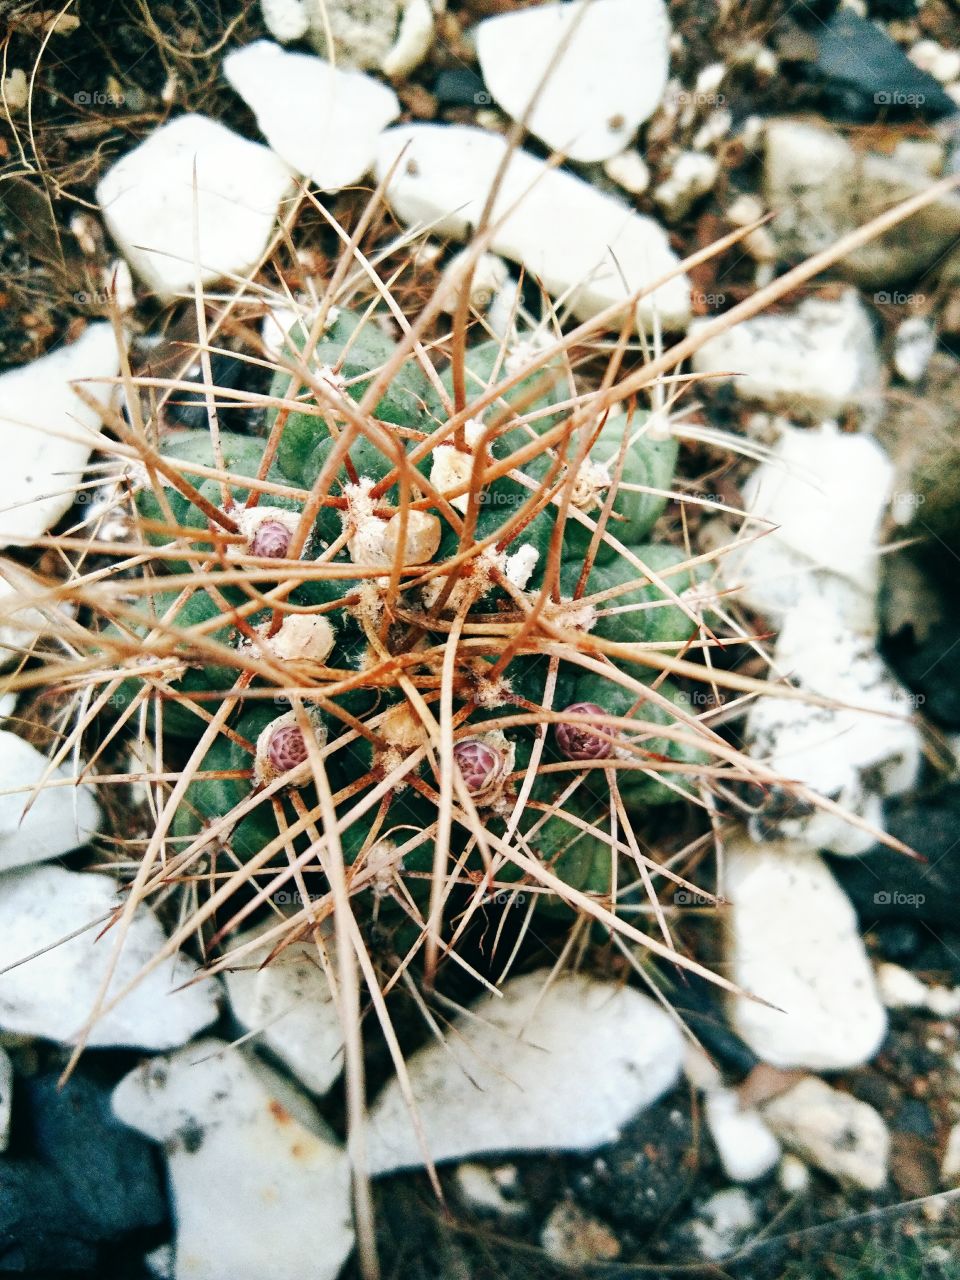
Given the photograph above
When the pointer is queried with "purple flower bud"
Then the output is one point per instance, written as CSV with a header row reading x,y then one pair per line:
x,y
271,540
576,741
287,748
479,763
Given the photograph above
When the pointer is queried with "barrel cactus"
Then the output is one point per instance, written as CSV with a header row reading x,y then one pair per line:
x,y
421,603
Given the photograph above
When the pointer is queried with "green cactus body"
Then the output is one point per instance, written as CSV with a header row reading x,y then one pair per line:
x,y
410,409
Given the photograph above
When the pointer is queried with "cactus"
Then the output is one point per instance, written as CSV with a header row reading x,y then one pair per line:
x,y
315,574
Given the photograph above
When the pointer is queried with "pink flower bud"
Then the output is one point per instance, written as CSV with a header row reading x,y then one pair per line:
x,y
577,741
287,748
479,764
271,540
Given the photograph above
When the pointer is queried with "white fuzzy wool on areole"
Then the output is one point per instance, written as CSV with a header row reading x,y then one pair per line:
x,y
607,80
574,238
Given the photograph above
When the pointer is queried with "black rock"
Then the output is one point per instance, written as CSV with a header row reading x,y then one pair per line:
x,y
460,87
698,1004
898,940
884,884
893,8
920,633
189,409
639,1181
867,75
40,1229
108,1170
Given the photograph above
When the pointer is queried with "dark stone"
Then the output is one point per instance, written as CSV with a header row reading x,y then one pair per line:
x,y
898,940
108,1170
641,1180
920,632
914,1117
893,8
189,409
40,1229
872,75
698,1004
884,884
460,87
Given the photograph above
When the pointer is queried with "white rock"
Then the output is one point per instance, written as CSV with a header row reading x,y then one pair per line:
x,y
823,186
577,240
746,1147
820,359
48,432
149,203
815,537
723,1222
855,757
484,1189
794,941
490,274
289,1005
414,40
20,624
6,1097
261,1189
793,1175
629,170
692,175
608,80
560,1070
364,33
575,1239
913,345
833,1131
950,1168
285,19
52,994
324,122
16,90
61,818
901,989
161,1262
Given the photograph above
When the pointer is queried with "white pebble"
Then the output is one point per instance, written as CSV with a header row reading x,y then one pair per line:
x,y
745,1145
834,1131
608,80
629,170
723,1222
532,1069
324,122
794,941
913,345
61,817
260,1186
692,176
149,203
793,1175
579,242
820,360
49,432
288,1007
52,994
950,1168
6,1097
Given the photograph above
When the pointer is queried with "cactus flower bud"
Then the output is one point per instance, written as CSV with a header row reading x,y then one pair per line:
x,y
577,741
